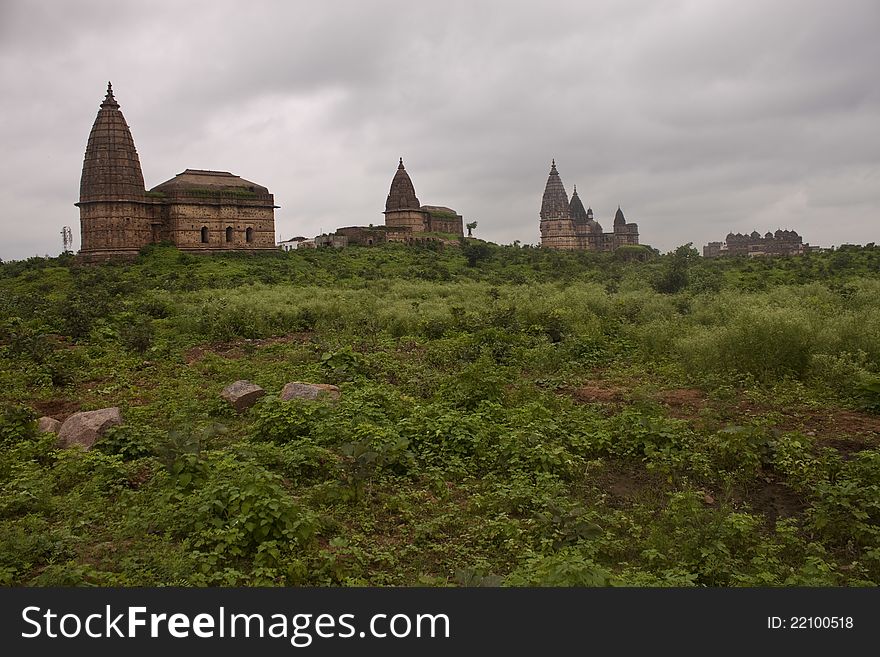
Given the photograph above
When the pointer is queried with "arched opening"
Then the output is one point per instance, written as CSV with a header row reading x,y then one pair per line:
x,y
249,235
204,234
229,233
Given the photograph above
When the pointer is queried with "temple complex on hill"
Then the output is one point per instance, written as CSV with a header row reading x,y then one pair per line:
x,y
780,243
197,210
568,226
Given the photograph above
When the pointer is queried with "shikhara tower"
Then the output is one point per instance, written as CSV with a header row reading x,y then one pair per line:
x,y
566,225
114,214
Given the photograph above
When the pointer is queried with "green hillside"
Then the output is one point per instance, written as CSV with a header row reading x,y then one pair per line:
x,y
507,416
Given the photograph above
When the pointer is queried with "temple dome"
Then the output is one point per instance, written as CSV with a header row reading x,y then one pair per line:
x,y
213,181
576,208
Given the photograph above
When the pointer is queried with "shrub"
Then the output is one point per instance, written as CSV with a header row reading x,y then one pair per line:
x,y
765,343
16,424
240,507
136,332
131,441
282,422
568,567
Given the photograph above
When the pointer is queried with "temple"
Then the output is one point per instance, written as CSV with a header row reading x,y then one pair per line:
x,y
403,210
566,225
197,210
406,220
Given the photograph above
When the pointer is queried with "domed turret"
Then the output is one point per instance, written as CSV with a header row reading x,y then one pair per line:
x,y
576,208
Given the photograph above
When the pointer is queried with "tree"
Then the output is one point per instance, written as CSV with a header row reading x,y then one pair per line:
x,y
470,227
674,276
474,253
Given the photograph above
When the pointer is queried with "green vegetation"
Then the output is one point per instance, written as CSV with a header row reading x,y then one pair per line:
x,y
508,416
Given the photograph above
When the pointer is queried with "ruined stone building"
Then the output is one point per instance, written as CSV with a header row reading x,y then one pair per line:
x,y
780,243
197,210
567,225
406,219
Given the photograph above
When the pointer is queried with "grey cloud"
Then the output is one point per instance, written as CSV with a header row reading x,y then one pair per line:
x,y
697,117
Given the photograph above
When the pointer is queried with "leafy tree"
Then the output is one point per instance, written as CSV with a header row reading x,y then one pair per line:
x,y
674,276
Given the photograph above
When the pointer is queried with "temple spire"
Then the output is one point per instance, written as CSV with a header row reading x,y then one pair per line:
x,y
554,204
109,100
111,168
402,195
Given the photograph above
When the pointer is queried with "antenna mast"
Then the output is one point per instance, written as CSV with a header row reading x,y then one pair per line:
x,y
67,239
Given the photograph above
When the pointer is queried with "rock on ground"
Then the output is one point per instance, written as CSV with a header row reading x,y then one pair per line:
x,y
48,424
299,390
85,427
242,394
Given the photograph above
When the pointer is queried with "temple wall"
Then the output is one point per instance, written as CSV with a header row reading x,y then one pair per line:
x,y
115,225
186,221
414,220
559,234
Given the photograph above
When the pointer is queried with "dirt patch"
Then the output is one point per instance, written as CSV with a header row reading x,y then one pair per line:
x,y
683,403
683,397
846,446
627,486
775,500
846,431
598,392
853,423
229,350
239,348
60,409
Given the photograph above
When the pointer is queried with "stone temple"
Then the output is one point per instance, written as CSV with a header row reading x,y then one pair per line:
x,y
197,210
406,220
566,225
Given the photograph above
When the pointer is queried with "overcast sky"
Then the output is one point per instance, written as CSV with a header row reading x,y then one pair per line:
x,y
698,117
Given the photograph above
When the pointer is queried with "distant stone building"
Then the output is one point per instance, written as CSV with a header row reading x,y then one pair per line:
x,y
331,240
407,221
403,211
197,210
780,243
566,225
371,235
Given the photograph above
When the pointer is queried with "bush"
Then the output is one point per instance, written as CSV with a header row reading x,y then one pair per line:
x,y
241,507
16,424
131,441
764,343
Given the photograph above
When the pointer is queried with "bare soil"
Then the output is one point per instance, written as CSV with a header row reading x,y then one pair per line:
x,y
239,348
59,409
